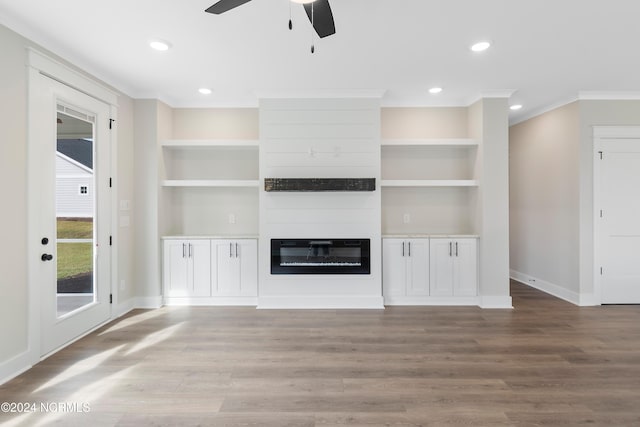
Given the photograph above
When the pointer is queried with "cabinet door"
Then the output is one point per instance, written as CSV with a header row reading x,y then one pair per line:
x,y
465,267
226,273
175,266
199,256
441,267
417,255
247,254
394,267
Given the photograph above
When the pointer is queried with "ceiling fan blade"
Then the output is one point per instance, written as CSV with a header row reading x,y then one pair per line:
x,y
225,5
322,17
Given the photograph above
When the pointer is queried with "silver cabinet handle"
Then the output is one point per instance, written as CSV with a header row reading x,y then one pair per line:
x,y
450,248
184,250
456,248
236,250
230,249
190,250
402,248
409,248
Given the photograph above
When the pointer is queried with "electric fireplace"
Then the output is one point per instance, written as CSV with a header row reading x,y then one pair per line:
x,y
320,256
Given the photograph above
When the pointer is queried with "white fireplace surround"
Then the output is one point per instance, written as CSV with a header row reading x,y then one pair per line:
x,y
320,138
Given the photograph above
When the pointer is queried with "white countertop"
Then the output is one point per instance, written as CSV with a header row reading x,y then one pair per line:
x,y
425,236
202,237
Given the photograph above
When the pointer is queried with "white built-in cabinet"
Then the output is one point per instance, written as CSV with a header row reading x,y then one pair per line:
x,y
187,268
236,267
406,267
429,270
210,271
453,267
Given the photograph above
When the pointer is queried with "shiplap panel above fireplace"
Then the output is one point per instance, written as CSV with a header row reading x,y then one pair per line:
x,y
320,138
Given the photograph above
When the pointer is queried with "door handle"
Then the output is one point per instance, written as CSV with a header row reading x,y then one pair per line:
x,y
46,257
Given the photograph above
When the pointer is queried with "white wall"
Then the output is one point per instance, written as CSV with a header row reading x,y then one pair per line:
x,y
544,201
13,187
320,138
14,304
489,122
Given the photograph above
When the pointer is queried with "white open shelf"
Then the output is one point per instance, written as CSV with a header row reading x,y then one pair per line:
x,y
426,142
429,183
211,183
210,143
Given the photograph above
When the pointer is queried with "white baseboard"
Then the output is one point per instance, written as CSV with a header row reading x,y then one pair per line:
x,y
15,366
501,302
211,301
553,289
436,301
148,302
123,308
320,302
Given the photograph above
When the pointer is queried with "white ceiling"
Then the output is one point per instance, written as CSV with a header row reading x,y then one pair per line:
x,y
547,51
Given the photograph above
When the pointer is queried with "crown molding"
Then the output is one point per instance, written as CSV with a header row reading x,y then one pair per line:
x,y
593,95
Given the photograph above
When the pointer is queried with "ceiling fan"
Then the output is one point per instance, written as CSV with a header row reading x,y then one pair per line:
x,y
318,11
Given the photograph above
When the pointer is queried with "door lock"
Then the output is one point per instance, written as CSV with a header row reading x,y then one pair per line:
x,y
46,257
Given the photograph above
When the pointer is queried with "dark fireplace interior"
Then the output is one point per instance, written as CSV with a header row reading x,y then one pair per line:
x,y
320,256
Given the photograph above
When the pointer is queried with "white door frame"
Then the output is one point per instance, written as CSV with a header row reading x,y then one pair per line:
x,y
601,134
37,65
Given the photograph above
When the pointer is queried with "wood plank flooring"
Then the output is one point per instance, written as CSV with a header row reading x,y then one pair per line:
x,y
545,363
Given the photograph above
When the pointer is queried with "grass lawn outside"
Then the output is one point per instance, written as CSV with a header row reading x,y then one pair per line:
x,y
75,228
74,258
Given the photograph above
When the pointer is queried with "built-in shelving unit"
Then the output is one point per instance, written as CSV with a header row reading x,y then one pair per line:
x,y
210,186
428,185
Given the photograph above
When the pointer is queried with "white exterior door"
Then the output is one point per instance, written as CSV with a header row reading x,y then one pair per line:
x,y
617,219
69,258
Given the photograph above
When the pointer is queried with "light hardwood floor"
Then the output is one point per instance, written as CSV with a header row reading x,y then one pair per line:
x,y
546,362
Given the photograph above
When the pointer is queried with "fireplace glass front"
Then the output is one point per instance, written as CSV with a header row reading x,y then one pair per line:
x,y
320,256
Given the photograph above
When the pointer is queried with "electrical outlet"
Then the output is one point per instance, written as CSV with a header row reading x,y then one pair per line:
x,y
406,218
232,218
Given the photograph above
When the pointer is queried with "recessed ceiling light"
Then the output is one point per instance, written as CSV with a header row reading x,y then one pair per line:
x,y
435,90
204,91
160,45
515,107
481,46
